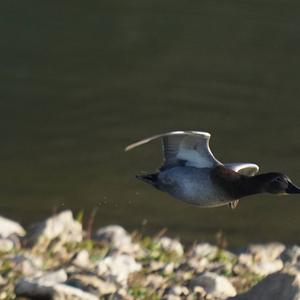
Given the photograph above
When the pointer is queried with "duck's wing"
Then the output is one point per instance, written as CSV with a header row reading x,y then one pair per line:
x,y
248,169
189,148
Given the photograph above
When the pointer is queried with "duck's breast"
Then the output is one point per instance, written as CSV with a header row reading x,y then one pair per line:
x,y
192,185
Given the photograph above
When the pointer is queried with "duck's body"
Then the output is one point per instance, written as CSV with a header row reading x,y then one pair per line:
x,y
192,174
190,184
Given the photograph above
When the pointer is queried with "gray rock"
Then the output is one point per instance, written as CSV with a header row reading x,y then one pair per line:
x,y
27,287
33,289
171,245
280,286
215,285
118,267
62,227
6,245
291,255
9,227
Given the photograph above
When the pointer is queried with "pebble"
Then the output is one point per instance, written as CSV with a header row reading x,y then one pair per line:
x,y
171,245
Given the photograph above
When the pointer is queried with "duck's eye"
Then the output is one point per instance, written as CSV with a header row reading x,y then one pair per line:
x,y
278,179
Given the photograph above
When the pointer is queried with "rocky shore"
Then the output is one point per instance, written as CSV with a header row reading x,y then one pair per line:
x,y
54,259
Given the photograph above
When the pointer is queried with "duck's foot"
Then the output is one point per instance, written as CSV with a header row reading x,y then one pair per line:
x,y
234,204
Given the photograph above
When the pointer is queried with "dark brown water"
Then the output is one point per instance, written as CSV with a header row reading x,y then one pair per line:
x,y
79,81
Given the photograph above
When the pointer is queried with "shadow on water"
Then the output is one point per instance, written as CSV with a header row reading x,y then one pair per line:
x,y
80,82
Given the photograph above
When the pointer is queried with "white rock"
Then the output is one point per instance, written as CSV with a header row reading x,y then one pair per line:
x,y
172,297
204,250
199,264
115,235
9,227
2,281
179,290
215,285
27,264
266,252
118,267
171,245
82,259
65,292
51,278
6,245
263,259
168,268
267,267
61,226
155,281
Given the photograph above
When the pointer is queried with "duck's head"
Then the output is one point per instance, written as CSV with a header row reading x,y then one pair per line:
x,y
278,183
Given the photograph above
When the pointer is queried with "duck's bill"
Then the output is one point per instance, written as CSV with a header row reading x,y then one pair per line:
x,y
292,189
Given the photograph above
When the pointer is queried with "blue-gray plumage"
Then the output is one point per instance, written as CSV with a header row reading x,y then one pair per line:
x,y
192,174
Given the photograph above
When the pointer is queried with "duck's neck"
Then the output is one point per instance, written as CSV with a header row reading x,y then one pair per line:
x,y
238,185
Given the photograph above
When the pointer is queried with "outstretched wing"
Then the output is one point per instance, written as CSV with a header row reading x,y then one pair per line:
x,y
190,148
248,169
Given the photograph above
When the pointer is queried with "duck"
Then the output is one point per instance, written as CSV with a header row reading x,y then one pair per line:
x,y
191,173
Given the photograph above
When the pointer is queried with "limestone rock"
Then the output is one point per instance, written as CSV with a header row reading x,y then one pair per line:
x,y
82,259
9,227
62,227
118,267
92,284
267,267
115,235
215,285
263,259
171,245
266,252
51,278
27,264
6,245
204,250
179,290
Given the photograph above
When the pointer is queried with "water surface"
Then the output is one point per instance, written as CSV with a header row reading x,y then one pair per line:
x,y
79,81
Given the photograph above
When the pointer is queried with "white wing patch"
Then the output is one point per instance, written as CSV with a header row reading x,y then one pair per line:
x,y
248,169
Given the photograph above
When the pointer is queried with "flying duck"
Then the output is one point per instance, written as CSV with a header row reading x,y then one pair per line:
x,y
191,173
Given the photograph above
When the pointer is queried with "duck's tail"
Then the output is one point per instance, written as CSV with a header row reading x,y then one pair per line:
x,y
149,178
